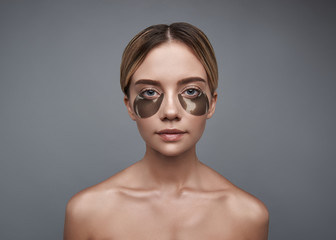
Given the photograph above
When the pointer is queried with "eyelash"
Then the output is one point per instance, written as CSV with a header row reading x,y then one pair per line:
x,y
143,93
192,88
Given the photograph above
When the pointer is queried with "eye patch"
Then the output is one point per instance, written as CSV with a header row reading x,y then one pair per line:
x,y
145,108
197,106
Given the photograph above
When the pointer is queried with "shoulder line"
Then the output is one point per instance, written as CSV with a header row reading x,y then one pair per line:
x,y
248,207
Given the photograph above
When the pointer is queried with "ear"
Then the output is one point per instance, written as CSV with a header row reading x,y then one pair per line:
x,y
212,105
129,108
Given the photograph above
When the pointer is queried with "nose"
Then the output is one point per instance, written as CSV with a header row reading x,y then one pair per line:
x,y
170,108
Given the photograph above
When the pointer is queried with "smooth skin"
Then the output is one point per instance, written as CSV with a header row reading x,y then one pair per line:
x,y
169,194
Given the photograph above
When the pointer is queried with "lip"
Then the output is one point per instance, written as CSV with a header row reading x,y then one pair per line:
x,y
171,135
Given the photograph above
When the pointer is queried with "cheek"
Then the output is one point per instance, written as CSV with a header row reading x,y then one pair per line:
x,y
196,125
145,127
199,123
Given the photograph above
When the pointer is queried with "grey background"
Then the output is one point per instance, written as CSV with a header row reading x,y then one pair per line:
x,y
63,126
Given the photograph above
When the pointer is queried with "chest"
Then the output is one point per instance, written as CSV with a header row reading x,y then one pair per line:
x,y
164,221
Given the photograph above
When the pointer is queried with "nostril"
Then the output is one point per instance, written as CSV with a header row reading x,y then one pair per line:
x,y
170,109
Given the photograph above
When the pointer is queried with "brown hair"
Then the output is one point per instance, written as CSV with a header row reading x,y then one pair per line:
x,y
138,48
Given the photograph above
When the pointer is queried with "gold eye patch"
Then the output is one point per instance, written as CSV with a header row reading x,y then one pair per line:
x,y
145,108
197,106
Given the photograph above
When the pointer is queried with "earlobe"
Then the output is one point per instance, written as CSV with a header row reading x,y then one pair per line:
x,y
129,108
212,106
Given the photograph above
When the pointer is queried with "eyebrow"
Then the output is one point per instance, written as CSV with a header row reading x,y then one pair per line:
x,y
180,82
190,80
148,81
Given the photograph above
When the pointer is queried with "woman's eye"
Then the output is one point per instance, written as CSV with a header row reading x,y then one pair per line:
x,y
192,92
149,93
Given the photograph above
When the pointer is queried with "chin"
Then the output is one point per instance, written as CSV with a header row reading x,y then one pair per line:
x,y
171,150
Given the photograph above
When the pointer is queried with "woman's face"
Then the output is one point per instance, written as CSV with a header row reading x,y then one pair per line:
x,y
170,99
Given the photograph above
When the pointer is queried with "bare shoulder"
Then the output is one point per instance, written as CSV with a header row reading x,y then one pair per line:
x,y
84,202
102,193
244,209
90,205
246,206
249,213
241,202
80,212
91,199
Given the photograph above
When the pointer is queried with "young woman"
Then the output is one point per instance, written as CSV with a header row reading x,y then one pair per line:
x,y
169,77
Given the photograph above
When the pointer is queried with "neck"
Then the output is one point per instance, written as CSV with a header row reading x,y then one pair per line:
x,y
171,172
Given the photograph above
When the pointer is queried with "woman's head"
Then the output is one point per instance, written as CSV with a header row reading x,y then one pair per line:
x,y
170,100
153,36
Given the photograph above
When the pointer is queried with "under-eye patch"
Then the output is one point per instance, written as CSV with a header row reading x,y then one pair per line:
x,y
197,106
144,107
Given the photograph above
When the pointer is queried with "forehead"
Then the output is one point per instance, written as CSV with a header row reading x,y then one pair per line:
x,y
170,62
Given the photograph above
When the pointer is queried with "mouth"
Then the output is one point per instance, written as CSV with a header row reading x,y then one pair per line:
x,y
171,135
